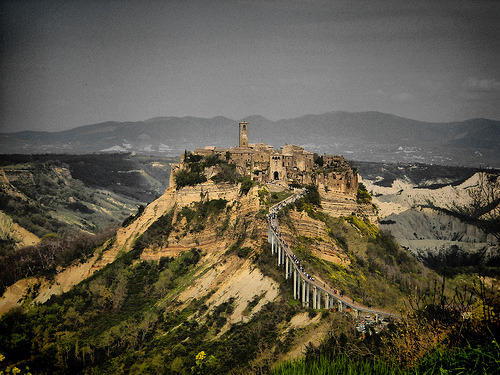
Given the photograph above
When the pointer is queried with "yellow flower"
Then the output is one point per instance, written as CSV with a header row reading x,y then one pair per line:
x,y
15,370
200,356
2,357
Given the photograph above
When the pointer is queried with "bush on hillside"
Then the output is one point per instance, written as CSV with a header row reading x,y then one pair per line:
x,y
189,178
227,174
363,196
246,185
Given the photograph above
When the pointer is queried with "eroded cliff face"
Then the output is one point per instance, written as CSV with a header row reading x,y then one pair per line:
x,y
322,246
223,274
235,276
344,204
217,234
213,233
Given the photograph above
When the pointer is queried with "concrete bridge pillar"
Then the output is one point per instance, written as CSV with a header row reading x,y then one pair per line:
x,y
294,283
327,300
315,297
377,318
299,285
273,237
340,306
303,292
287,266
308,292
279,254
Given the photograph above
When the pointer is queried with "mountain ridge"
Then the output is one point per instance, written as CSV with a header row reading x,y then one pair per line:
x,y
251,117
369,136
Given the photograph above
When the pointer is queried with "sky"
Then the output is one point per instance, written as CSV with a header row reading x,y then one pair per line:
x,y
65,64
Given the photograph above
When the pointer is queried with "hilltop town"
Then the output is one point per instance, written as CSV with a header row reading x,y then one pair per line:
x,y
290,166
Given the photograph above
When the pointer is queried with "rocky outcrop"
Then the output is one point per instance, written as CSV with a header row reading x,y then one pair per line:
x,y
9,230
322,245
344,205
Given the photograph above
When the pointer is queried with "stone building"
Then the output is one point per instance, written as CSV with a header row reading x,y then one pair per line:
x,y
291,164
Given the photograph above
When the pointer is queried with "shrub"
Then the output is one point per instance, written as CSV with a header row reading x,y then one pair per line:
x,y
227,174
363,196
246,185
244,252
211,160
189,178
312,195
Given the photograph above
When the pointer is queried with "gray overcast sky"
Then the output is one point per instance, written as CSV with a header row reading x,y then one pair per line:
x,y
70,63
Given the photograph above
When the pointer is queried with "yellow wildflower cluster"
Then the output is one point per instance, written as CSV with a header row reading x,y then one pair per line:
x,y
200,357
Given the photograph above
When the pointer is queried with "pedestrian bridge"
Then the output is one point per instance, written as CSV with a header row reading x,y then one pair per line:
x,y
305,288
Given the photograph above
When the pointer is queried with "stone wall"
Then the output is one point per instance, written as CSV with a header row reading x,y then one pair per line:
x,y
340,182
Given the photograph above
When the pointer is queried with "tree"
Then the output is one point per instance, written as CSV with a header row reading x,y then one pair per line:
x,y
120,293
318,160
246,185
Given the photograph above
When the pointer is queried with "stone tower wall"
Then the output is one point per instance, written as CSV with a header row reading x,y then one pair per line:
x,y
243,134
277,171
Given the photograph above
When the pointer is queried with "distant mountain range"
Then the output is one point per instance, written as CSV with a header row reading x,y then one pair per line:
x,y
369,136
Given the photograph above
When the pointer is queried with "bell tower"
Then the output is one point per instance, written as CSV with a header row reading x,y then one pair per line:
x,y
243,134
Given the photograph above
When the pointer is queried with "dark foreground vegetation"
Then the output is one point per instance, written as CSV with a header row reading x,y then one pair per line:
x,y
125,319
437,336
53,252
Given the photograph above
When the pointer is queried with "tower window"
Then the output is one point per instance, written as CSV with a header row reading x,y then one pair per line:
x,y
244,127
